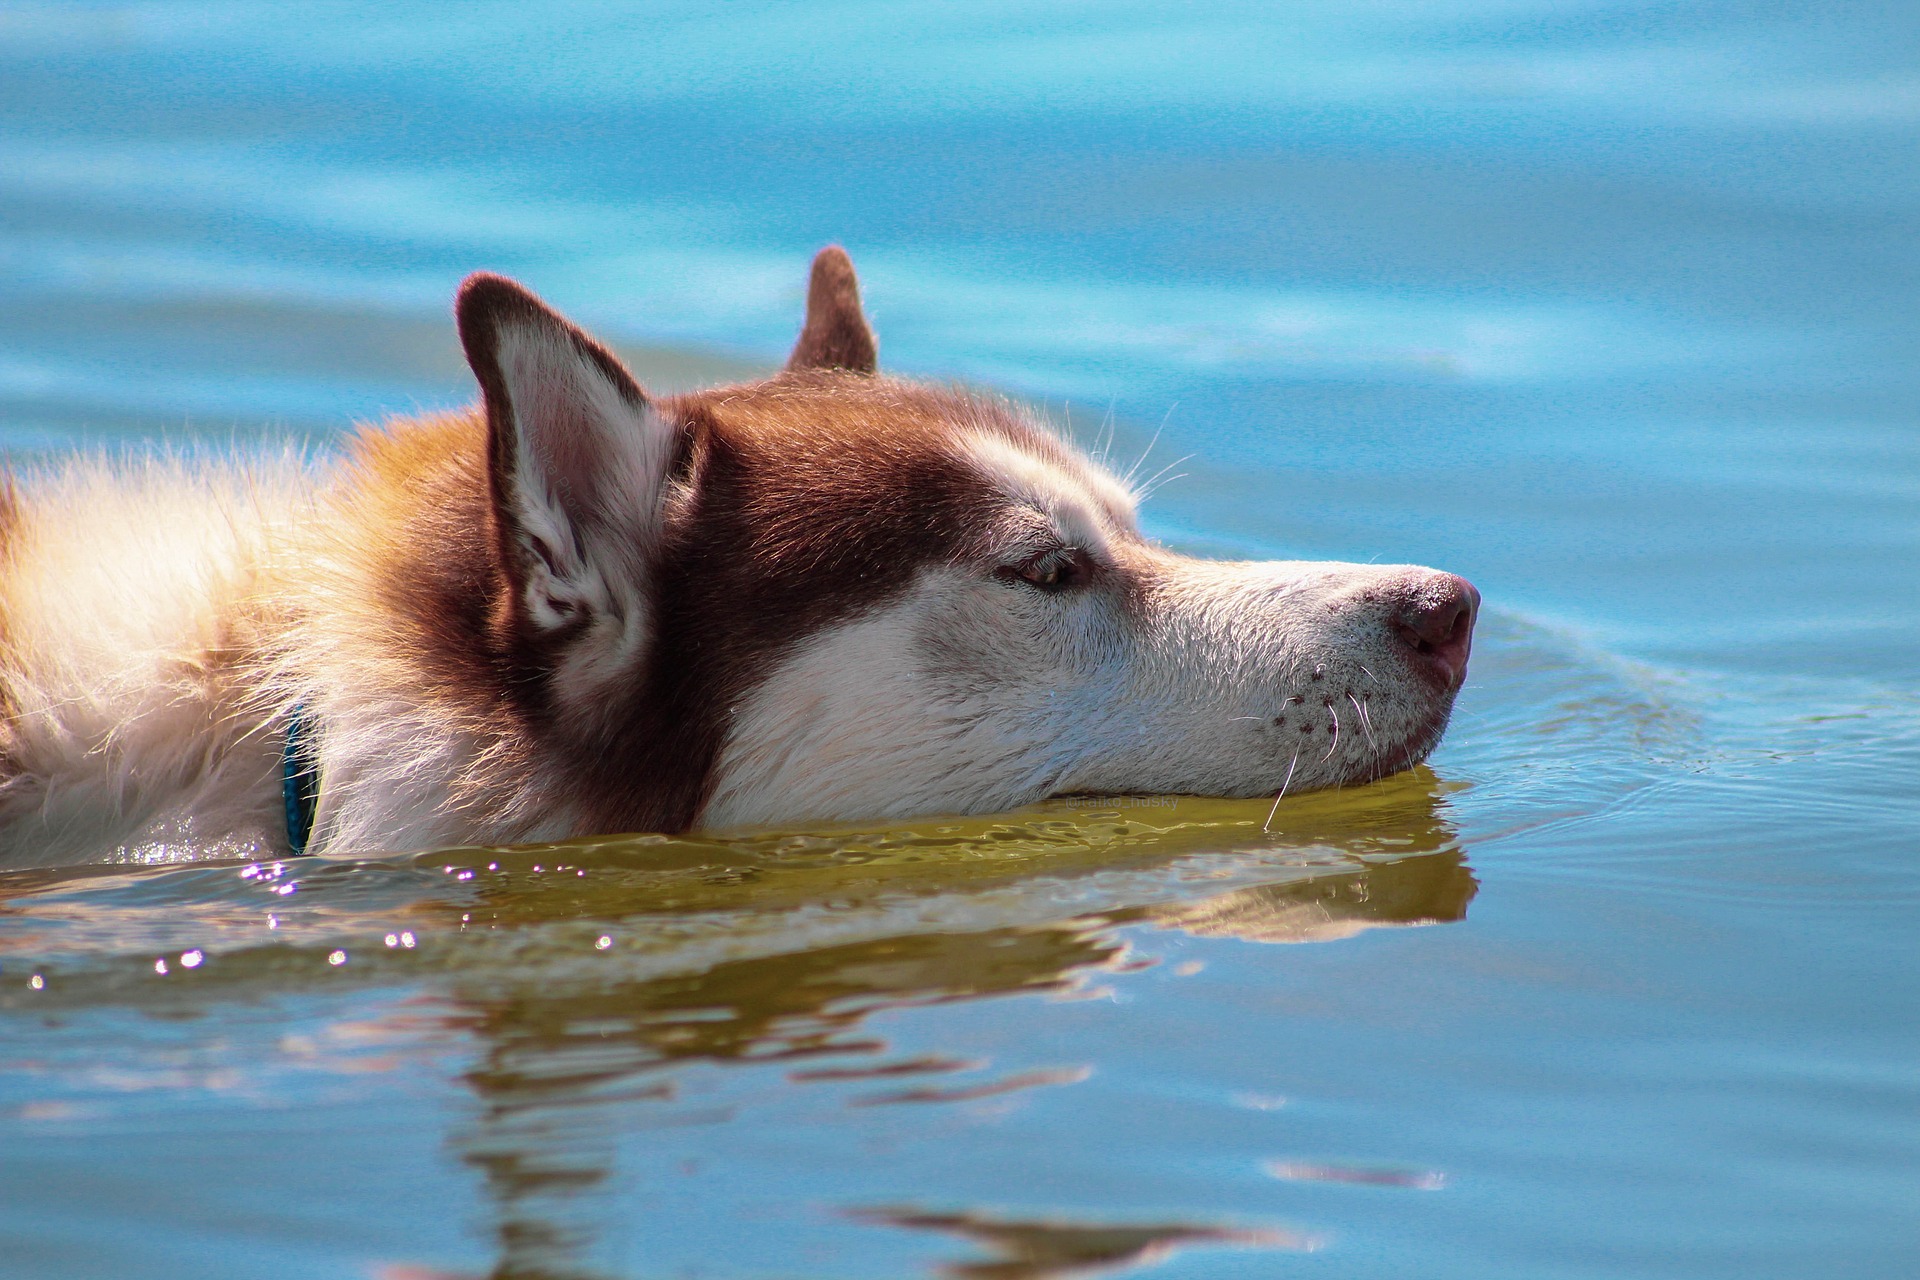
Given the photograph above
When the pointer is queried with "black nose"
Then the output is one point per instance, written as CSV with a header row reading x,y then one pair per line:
x,y
1435,620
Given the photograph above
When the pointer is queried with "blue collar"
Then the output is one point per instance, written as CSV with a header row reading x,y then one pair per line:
x,y
299,778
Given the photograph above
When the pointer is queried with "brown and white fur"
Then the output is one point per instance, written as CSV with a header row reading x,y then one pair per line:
x,y
576,608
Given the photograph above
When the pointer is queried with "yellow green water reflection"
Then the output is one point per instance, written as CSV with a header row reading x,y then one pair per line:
x,y
583,978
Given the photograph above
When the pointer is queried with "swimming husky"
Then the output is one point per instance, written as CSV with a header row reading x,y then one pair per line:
x,y
578,608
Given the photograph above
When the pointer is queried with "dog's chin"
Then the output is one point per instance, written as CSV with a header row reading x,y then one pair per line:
x,y
1419,744
1410,751
1391,759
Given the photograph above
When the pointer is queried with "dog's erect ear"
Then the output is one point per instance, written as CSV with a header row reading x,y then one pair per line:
x,y
836,335
578,460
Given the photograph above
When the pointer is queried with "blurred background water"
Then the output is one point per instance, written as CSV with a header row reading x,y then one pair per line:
x,y
1608,306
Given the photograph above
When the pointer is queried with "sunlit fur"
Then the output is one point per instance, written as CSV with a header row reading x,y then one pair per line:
x,y
576,609
133,605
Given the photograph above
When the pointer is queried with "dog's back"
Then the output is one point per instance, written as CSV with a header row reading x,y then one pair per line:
x,y
133,600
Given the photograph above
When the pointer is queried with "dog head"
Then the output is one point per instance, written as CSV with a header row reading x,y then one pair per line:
x,y
833,595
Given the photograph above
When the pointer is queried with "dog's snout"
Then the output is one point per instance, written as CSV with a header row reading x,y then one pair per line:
x,y
1435,619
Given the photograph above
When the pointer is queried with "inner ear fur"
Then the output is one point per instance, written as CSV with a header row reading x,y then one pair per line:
x,y
577,458
836,334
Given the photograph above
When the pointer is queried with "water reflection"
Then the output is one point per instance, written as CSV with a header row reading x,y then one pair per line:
x,y
1042,1250
595,982
564,1069
1427,890
559,1070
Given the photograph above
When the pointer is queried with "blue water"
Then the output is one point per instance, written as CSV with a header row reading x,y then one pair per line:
x,y
1609,307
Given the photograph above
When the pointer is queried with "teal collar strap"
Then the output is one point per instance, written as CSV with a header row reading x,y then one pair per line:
x,y
299,778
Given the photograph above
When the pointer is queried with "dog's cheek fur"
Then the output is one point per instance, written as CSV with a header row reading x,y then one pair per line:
x,y
969,695
1169,675
1175,675
788,536
936,703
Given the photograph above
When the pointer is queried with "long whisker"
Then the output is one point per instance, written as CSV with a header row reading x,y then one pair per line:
x,y
1141,461
1369,670
1146,495
1335,744
1267,826
1366,725
1152,484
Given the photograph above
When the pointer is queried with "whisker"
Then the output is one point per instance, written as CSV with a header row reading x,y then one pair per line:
x,y
1146,488
1369,670
1365,725
1267,826
1335,744
1146,495
1141,461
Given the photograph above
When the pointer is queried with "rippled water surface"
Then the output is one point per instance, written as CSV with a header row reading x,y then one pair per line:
x,y
1609,307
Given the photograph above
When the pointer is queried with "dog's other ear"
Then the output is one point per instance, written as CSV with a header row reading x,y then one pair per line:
x,y
836,334
578,461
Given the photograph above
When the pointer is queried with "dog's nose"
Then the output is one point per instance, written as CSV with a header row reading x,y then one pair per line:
x,y
1435,620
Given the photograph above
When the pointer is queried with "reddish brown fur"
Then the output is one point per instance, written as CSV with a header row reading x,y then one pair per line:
x,y
836,335
417,496
814,496
802,501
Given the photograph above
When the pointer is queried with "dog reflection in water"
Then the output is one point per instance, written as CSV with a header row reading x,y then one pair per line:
x,y
560,1061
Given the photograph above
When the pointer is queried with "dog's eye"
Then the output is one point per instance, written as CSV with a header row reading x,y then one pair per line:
x,y
1056,570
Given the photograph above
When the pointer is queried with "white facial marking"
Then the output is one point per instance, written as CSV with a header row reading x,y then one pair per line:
x,y
1084,508
1162,674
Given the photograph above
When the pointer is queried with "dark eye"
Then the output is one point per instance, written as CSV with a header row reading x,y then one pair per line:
x,y
1057,570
